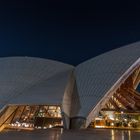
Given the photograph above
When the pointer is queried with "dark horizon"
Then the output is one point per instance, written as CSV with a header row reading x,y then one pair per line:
x,y
70,32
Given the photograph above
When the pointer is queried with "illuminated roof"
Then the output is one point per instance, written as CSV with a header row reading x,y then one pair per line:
x,y
27,80
97,76
81,90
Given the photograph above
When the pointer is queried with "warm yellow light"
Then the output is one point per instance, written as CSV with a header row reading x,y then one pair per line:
x,y
112,124
97,126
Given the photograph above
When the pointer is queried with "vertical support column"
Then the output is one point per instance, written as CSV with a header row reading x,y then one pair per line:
x,y
77,123
66,120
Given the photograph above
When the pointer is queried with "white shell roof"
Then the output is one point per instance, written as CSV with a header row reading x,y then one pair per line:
x,y
28,80
96,76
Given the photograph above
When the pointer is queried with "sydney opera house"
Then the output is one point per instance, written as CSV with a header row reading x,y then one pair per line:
x,y
102,92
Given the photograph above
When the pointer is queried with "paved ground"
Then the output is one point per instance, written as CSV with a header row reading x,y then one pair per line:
x,y
57,134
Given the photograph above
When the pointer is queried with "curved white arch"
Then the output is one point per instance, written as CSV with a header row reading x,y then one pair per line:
x,y
110,92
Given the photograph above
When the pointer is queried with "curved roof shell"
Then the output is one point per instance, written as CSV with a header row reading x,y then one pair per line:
x,y
28,80
97,76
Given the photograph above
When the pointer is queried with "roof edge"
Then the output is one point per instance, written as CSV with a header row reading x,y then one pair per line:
x,y
36,58
107,52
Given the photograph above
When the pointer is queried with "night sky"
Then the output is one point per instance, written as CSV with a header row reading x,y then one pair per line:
x,y
67,31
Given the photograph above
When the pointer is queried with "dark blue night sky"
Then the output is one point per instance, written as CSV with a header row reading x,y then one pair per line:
x,y
67,31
